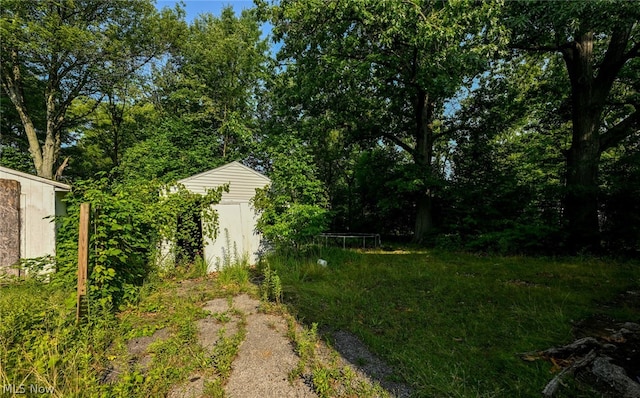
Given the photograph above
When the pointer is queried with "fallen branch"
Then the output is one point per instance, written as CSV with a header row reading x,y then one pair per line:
x,y
579,346
551,387
596,359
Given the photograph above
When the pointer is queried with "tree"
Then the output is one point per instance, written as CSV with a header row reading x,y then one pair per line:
x,y
381,71
293,208
14,147
510,131
123,118
74,47
599,43
213,79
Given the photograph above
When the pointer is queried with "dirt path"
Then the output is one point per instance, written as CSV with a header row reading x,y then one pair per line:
x,y
259,352
266,362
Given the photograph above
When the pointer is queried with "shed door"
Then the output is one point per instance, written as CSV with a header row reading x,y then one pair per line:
x,y
230,241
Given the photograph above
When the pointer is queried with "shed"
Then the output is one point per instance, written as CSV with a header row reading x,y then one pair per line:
x,y
27,205
237,218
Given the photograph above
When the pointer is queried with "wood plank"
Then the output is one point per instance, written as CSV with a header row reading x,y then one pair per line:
x,y
9,225
83,258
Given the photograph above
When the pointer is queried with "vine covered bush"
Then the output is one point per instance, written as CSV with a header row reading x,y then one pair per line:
x,y
127,224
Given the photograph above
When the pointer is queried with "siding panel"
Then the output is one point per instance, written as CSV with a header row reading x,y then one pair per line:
x,y
236,214
37,206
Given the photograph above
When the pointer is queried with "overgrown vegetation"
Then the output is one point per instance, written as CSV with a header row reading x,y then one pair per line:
x,y
452,324
128,224
41,344
489,127
455,124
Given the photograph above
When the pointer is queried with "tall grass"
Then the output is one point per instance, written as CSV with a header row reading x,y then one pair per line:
x,y
452,324
42,346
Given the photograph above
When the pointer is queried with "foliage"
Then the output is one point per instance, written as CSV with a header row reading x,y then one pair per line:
x,y
598,44
405,118
113,128
621,224
127,224
76,49
293,208
40,344
383,189
234,272
380,72
271,287
212,82
14,148
509,153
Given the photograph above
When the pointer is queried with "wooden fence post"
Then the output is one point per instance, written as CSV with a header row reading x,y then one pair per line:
x,y
83,259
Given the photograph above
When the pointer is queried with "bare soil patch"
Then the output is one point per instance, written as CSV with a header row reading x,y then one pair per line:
x,y
266,359
369,366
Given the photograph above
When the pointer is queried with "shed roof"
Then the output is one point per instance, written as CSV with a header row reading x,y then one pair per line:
x,y
57,185
242,181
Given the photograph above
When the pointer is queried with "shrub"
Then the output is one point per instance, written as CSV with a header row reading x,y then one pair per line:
x,y
127,222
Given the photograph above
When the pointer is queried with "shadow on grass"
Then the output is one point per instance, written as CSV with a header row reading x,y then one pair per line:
x,y
451,324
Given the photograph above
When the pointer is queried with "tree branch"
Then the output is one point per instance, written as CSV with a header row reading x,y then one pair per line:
x,y
539,48
614,60
620,131
634,52
399,143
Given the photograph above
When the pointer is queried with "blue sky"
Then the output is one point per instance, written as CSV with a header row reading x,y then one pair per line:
x,y
195,7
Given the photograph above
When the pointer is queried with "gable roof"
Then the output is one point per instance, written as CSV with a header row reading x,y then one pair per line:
x,y
242,181
57,185
220,169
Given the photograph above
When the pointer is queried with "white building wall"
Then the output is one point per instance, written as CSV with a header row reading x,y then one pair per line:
x,y
38,199
237,218
242,181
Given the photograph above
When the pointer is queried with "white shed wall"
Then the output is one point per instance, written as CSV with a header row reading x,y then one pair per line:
x,y
237,221
39,200
237,218
242,182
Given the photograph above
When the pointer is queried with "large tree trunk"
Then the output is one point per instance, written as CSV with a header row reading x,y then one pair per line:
x,y
424,218
581,200
588,96
13,86
423,155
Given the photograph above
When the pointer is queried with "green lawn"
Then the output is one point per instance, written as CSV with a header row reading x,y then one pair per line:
x,y
452,324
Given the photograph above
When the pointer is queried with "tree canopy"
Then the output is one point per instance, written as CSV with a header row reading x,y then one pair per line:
x,y
76,49
485,126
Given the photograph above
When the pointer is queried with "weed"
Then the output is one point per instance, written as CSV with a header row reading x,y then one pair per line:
x,y
214,389
451,323
329,378
271,288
